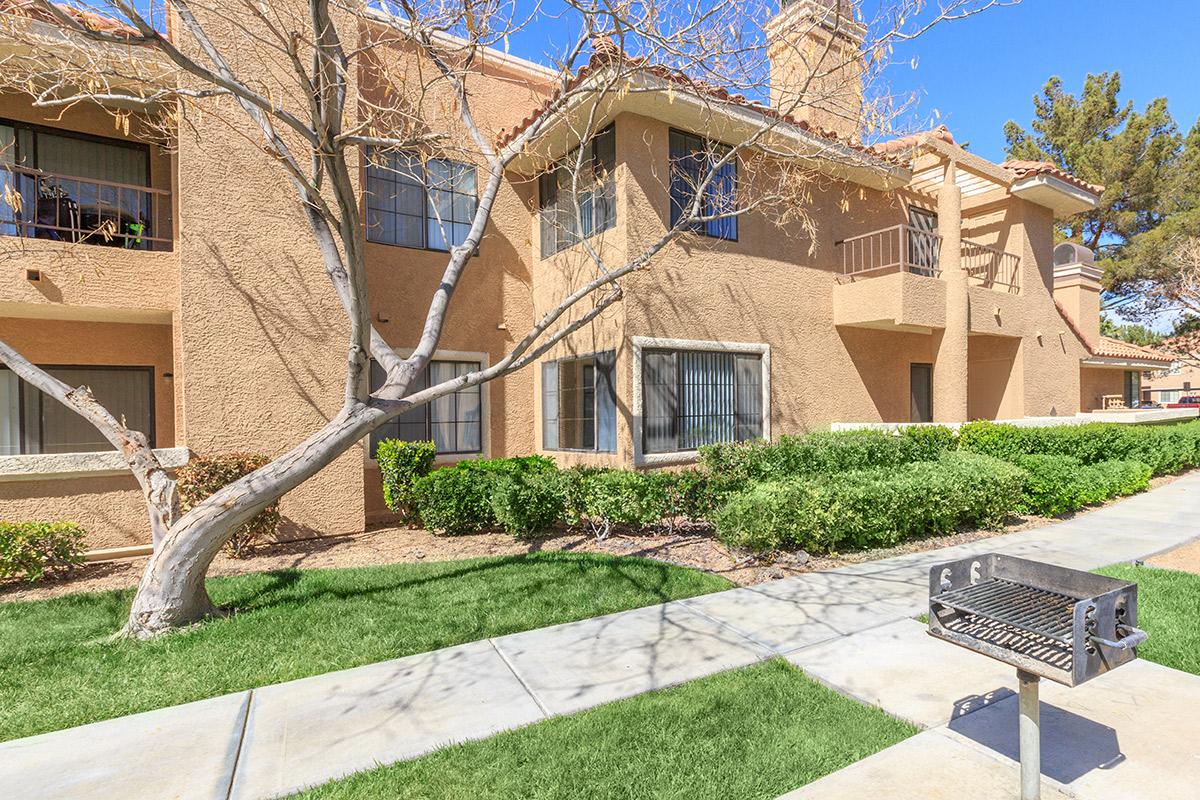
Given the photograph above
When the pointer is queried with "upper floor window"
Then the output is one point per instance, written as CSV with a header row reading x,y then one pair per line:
x,y
31,422
692,158
575,204
579,403
73,187
697,397
452,422
924,245
426,204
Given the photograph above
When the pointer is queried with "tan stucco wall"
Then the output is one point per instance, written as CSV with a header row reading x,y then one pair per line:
x,y
1095,382
109,508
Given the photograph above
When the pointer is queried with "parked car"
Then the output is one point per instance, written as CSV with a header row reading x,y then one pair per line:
x,y
1187,401
1148,404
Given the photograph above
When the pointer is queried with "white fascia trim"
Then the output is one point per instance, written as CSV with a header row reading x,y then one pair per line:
x,y
641,343
61,466
1071,192
1068,271
485,427
1125,363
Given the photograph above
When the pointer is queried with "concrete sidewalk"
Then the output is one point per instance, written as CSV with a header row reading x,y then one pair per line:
x,y
281,738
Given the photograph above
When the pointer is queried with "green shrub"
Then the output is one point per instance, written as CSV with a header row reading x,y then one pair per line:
x,y
1058,484
926,442
824,453
871,508
1164,448
623,497
526,505
31,549
458,499
401,464
203,476
689,494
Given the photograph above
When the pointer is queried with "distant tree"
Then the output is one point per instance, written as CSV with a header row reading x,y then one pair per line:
x,y
1135,156
1188,323
1132,332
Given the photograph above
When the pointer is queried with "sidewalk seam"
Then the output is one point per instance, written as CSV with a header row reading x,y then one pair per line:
x,y
768,651
512,668
237,756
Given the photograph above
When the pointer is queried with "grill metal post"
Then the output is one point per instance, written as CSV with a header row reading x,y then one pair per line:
x,y
1030,736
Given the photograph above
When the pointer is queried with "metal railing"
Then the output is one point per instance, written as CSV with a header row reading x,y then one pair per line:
x,y
992,268
43,205
901,248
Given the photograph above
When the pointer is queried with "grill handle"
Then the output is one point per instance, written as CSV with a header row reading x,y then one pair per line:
x,y
1130,637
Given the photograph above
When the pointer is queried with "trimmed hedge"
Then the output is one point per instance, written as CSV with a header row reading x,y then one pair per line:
x,y
204,476
1164,448
873,508
529,504
458,499
1057,484
824,453
401,465
31,549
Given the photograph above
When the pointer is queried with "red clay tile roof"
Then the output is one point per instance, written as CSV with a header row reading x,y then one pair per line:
x,y
1108,347
97,22
606,53
903,143
1027,169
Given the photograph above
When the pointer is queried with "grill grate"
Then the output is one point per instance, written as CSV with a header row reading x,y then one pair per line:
x,y
1024,608
990,631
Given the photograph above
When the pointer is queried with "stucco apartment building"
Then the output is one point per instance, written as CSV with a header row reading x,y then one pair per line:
x,y
932,292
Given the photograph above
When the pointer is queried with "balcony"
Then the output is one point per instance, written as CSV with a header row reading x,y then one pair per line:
x,y
42,205
902,248
905,249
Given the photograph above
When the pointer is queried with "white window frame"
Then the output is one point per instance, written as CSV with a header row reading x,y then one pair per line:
x,y
485,406
642,343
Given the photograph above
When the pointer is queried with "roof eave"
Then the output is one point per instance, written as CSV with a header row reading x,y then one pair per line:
x,y
1056,194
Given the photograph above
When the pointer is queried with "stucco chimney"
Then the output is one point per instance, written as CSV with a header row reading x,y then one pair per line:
x,y
814,49
1077,287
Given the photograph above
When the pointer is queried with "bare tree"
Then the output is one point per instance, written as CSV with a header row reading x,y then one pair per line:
x,y
294,86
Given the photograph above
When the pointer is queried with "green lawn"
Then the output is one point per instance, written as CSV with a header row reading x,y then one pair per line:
x,y
1168,604
751,733
57,668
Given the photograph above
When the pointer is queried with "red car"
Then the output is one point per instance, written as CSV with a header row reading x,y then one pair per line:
x,y
1187,401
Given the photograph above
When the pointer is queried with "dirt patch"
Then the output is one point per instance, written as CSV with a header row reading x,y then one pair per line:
x,y
1185,558
691,547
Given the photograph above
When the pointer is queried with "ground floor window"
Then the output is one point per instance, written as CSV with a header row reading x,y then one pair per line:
x,y
33,423
452,422
579,403
697,397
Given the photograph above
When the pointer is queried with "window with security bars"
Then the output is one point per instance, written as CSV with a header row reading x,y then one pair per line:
x,y
692,158
452,422
697,397
563,221
414,203
579,403
32,423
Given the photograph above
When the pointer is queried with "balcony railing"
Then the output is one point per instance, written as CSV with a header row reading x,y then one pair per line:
x,y
902,248
43,205
992,268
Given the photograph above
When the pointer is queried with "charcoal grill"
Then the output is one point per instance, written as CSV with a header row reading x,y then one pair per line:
x,y
1045,620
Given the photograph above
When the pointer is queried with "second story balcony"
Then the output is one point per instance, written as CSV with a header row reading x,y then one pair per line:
x,y
908,249
36,204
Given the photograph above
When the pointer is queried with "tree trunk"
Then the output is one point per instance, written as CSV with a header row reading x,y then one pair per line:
x,y
172,593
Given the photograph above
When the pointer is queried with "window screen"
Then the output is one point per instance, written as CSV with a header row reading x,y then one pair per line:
x,y
579,409
452,422
697,397
31,422
413,203
691,159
